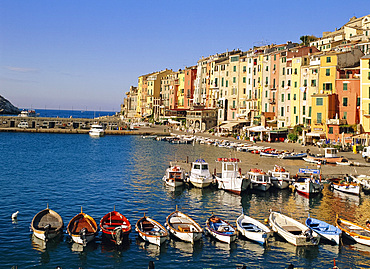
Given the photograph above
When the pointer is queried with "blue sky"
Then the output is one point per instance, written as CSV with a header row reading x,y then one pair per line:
x,y
86,54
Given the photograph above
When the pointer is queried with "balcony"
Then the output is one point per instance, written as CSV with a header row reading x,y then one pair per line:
x,y
272,101
232,108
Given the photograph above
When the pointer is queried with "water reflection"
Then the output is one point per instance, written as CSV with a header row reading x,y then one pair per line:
x,y
91,246
151,249
226,248
42,246
306,252
187,249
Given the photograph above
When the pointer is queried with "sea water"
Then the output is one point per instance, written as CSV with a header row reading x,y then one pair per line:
x,y
67,172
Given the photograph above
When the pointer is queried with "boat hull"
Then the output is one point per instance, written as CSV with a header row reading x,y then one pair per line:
x,y
352,231
325,230
115,228
82,228
291,230
200,182
350,189
308,189
151,231
260,186
47,224
220,230
253,229
183,227
228,239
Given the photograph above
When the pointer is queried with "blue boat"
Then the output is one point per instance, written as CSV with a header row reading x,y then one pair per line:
x,y
324,229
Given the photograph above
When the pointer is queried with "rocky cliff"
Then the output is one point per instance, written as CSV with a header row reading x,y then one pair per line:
x,y
7,108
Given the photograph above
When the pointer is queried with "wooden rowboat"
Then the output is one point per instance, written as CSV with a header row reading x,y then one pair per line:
x,y
354,231
151,231
325,230
253,229
220,229
293,231
47,224
183,227
82,228
115,227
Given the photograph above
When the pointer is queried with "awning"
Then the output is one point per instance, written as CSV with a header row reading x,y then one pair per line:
x,y
313,134
229,125
257,129
279,131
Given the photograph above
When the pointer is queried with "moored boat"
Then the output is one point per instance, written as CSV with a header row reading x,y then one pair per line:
x,y
230,179
292,155
47,224
293,231
151,231
252,229
115,227
183,227
354,231
259,179
325,230
174,176
330,156
220,229
280,178
343,185
200,176
82,228
308,182
96,130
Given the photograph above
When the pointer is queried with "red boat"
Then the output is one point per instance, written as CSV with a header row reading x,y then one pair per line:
x,y
115,227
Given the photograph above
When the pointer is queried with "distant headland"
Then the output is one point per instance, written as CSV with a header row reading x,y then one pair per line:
x,y
7,108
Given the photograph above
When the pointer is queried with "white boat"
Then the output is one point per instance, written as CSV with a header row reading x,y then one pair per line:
x,y
293,231
308,182
345,186
151,231
230,179
259,180
221,229
200,176
280,178
354,231
252,229
96,130
183,227
174,176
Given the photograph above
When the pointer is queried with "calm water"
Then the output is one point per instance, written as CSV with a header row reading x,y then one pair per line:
x,y
70,171
86,114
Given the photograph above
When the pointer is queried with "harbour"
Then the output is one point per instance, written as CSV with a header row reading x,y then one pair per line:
x,y
121,171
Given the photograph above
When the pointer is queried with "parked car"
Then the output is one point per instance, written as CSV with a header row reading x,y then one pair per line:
x,y
23,124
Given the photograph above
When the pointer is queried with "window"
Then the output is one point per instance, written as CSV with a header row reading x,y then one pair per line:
x,y
275,55
234,68
327,72
266,94
296,119
327,87
283,84
233,103
345,85
234,59
319,101
303,110
282,97
222,82
345,115
345,101
328,59
282,112
319,118
233,115
304,96
358,101
295,110
288,82
288,96
265,107
295,97
244,79
368,76
309,111
283,71
295,71
267,80
331,130
234,79
275,66
245,69
295,84
227,83
305,83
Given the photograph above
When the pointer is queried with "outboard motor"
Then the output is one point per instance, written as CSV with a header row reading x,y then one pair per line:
x,y
46,233
309,236
118,234
82,234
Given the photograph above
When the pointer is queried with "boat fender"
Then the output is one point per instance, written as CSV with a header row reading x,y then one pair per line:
x,y
118,235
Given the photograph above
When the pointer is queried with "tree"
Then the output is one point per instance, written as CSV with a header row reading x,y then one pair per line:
x,y
306,39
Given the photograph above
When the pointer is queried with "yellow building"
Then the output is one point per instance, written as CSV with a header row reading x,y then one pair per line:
x,y
296,101
365,93
181,89
323,108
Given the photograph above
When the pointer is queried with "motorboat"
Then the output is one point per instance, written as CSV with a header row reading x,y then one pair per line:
x,y
174,176
280,178
292,230
364,180
345,185
325,230
330,156
115,227
47,224
259,179
252,229
82,228
96,130
269,153
151,231
308,182
230,179
200,176
356,232
220,229
183,227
